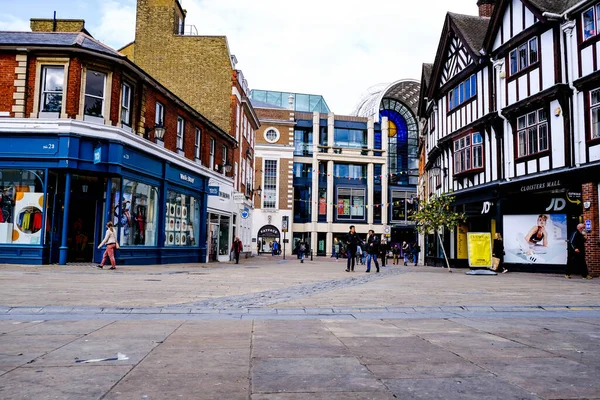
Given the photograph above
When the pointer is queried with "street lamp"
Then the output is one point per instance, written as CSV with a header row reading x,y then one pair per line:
x,y
159,131
258,191
227,167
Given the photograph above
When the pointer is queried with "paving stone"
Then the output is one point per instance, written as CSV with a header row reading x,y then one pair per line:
x,y
12,325
365,328
17,349
62,327
444,367
555,378
325,396
25,310
60,382
337,374
303,346
476,388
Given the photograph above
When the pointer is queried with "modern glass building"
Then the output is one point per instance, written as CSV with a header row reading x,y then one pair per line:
x,y
301,102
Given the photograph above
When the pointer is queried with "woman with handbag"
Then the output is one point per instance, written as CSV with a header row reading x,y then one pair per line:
x,y
498,254
110,239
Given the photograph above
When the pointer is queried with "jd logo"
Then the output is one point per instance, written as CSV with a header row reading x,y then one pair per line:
x,y
487,205
556,204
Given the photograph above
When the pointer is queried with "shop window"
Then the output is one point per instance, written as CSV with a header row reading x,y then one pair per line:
x,y
462,93
95,89
532,133
350,204
21,206
224,235
182,219
591,21
270,184
137,214
322,204
595,113
523,56
180,131
198,144
53,80
398,206
468,153
126,104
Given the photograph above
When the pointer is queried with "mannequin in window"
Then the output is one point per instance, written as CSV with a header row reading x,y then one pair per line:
x,y
140,222
125,220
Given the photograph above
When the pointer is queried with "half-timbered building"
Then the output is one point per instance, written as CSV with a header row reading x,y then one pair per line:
x,y
513,128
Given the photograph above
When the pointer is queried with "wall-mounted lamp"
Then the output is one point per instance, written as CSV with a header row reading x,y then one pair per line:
x,y
84,188
258,191
159,131
227,167
436,170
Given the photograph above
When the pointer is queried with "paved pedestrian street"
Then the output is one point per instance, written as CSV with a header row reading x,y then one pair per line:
x,y
271,329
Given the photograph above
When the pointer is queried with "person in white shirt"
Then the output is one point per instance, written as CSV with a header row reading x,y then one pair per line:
x,y
110,239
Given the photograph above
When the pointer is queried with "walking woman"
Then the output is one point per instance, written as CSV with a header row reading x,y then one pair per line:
x,y
498,254
110,239
405,251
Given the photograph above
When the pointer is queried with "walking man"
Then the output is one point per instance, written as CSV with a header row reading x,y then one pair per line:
x,y
383,248
237,248
352,242
576,262
372,250
301,250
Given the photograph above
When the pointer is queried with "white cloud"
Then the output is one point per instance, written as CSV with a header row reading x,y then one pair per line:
x,y
116,25
333,48
11,23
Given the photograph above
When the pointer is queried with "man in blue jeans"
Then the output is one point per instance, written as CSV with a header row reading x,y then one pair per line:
x,y
372,250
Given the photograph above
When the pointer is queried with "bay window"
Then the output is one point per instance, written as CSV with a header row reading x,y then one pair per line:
x,y
468,153
532,133
53,80
95,90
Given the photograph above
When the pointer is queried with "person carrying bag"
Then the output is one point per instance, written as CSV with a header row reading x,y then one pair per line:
x,y
110,239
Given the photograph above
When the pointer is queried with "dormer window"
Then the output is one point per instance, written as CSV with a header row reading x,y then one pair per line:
x,y
462,93
524,56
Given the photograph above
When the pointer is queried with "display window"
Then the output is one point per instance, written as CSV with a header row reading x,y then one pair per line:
x,y
350,203
21,206
182,219
137,214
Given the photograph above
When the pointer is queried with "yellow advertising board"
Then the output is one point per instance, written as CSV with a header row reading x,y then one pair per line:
x,y
480,249
461,242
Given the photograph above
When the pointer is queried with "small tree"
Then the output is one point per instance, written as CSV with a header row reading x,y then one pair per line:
x,y
436,214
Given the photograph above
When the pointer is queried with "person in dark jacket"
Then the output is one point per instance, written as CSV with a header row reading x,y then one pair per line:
x,y
352,242
237,247
498,253
372,250
576,262
383,248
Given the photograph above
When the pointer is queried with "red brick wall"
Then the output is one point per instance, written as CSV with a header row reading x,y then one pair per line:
x,y
30,90
486,10
115,97
73,88
8,64
592,245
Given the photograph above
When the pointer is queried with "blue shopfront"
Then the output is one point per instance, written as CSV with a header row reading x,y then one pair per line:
x,y
58,192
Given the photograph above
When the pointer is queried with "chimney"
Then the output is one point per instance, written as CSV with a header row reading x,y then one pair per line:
x,y
486,7
57,25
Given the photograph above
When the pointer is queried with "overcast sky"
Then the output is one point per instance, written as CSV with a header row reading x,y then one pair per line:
x,y
335,48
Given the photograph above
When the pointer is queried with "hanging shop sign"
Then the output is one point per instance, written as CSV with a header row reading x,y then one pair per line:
x,y
239,198
480,249
213,190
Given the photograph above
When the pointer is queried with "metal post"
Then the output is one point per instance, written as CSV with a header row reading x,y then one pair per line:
x,y
284,240
64,250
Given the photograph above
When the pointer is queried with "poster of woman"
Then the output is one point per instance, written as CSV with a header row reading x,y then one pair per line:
x,y
535,239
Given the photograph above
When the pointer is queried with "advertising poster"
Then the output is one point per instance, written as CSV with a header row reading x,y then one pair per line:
x,y
480,249
341,207
535,239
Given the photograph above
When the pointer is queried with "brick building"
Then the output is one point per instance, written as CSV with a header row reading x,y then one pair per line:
x,y
87,137
201,70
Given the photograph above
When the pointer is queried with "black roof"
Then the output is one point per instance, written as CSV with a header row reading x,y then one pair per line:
x,y
52,39
427,70
554,6
472,28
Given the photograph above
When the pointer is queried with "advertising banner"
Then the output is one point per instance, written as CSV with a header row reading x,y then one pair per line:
x,y
535,239
480,249
461,243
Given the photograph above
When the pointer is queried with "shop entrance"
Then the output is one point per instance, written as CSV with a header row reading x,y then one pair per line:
x,y
266,236
85,210
213,242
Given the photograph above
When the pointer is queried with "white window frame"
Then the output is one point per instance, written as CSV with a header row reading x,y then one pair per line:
x,y
126,104
43,90
532,123
37,103
159,114
595,107
266,190
277,134
223,158
180,132
211,152
198,144
105,96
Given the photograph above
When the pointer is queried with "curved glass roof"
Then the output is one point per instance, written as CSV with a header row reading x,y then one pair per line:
x,y
302,102
405,91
